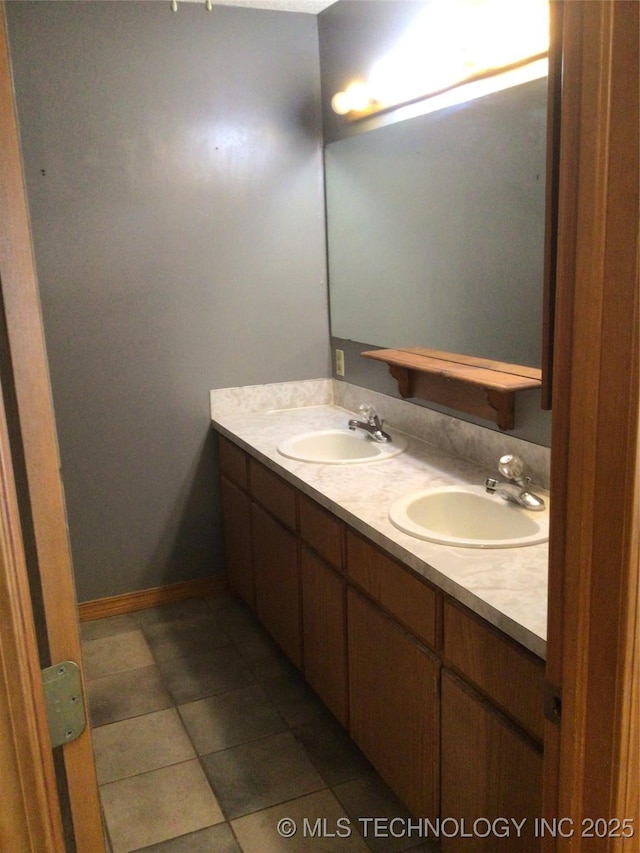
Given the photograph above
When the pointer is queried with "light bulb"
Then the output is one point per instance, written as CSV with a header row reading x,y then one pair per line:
x,y
358,96
355,98
340,103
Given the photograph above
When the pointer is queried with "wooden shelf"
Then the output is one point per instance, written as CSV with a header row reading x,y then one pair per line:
x,y
476,386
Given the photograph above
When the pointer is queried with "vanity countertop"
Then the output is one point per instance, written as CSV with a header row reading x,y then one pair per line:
x,y
506,586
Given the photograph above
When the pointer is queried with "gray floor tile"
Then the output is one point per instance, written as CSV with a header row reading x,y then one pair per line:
x,y
370,797
260,774
227,604
214,839
320,825
205,674
127,694
140,744
234,717
265,659
107,627
236,619
293,697
158,805
191,608
117,653
183,638
237,695
333,753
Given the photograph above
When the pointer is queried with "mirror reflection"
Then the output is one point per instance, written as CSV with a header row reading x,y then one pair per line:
x,y
436,229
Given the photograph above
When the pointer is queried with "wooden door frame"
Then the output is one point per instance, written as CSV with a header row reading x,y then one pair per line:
x,y
29,808
38,440
592,757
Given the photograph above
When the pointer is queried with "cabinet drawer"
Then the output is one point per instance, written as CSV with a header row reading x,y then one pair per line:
x,y
321,531
275,495
233,462
409,600
508,674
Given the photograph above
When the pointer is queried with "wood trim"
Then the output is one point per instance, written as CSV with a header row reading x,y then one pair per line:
x,y
39,442
627,796
29,808
129,602
594,606
552,183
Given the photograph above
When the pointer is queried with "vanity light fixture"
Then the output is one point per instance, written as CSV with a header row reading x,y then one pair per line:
x,y
208,5
356,98
455,43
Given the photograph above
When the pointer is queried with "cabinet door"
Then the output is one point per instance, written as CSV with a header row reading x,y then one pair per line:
x,y
277,582
236,519
394,708
490,772
325,642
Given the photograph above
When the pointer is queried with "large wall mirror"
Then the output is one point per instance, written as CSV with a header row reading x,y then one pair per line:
x,y
436,229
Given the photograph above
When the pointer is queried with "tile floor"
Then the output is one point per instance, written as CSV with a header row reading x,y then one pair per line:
x,y
206,737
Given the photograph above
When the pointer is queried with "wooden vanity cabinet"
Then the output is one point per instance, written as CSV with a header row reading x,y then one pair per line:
x,y
394,679
324,596
394,705
446,707
510,676
276,567
236,520
492,731
325,635
412,602
285,556
322,532
277,578
491,772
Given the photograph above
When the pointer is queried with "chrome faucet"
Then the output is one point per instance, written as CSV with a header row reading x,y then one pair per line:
x,y
372,425
517,489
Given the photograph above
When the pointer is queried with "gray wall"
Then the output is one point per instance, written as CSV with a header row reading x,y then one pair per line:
x,y
174,176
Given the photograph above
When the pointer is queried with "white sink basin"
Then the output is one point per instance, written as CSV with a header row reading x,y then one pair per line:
x,y
340,447
468,517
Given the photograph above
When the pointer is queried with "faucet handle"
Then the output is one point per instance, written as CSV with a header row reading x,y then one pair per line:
x,y
512,467
367,412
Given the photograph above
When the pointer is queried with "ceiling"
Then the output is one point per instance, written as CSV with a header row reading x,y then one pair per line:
x,y
310,6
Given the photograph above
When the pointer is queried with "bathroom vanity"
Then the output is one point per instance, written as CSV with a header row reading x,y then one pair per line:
x,y
441,691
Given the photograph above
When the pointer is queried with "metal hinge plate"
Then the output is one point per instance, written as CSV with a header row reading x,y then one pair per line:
x,y
65,705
